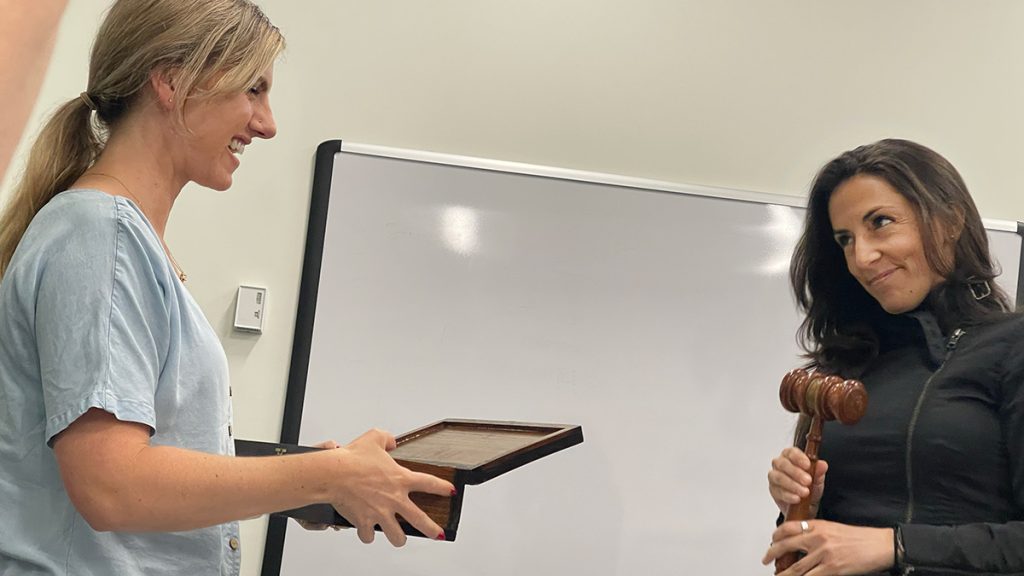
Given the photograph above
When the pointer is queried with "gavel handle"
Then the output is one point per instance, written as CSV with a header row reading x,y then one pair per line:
x,y
802,511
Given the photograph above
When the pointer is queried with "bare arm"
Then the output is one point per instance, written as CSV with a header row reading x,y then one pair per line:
x,y
27,33
119,482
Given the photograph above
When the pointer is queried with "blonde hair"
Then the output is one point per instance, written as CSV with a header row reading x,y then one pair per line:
x,y
221,45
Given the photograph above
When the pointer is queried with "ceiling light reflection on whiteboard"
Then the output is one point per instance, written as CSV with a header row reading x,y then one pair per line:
x,y
460,228
783,230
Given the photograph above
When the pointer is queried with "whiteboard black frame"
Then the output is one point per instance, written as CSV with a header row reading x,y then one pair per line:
x,y
310,279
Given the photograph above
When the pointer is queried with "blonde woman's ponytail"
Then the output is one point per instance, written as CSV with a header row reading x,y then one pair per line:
x,y
65,148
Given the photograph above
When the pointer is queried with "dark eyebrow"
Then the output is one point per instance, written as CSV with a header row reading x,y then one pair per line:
x,y
866,218
871,213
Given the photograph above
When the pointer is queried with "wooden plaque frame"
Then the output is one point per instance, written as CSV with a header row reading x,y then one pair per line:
x,y
464,452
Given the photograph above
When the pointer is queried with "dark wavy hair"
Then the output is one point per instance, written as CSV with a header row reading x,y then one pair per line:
x,y
838,332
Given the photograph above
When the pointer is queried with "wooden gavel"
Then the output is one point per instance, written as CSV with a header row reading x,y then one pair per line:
x,y
822,398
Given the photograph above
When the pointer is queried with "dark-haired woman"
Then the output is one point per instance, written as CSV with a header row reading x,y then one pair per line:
x,y
894,273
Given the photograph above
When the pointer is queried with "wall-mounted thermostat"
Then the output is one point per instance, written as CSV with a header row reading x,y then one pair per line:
x,y
250,308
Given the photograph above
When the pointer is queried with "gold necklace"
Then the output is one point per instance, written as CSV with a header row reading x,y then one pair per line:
x,y
174,263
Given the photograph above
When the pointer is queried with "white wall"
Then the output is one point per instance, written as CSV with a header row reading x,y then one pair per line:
x,y
753,94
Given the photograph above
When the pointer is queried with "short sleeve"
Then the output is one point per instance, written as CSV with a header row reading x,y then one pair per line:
x,y
101,322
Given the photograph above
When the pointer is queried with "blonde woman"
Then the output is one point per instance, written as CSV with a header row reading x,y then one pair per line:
x,y
115,435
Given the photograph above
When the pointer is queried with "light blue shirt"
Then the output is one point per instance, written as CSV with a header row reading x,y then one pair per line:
x,y
92,315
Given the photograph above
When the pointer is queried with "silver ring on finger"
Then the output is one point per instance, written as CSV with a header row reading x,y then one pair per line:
x,y
804,526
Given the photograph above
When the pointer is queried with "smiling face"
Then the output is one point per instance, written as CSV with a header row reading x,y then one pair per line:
x,y
221,127
880,236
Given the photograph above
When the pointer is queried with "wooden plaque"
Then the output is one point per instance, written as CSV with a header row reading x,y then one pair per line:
x,y
464,452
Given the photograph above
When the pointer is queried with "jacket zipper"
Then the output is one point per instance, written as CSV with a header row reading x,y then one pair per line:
x,y
950,348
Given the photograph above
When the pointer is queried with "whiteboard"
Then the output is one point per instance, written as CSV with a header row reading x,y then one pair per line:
x,y
655,315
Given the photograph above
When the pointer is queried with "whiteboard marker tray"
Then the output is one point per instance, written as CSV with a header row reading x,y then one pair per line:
x,y
464,452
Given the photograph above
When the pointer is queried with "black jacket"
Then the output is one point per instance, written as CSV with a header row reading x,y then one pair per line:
x,y
940,450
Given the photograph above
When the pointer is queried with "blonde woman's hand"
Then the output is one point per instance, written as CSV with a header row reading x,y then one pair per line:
x,y
318,526
373,490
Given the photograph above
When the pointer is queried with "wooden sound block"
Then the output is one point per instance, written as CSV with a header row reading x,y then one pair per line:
x,y
463,452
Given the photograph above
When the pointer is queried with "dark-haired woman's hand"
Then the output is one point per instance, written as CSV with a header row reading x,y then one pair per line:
x,y
832,549
789,480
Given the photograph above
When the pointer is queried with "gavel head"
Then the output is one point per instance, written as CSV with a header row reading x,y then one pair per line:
x,y
827,396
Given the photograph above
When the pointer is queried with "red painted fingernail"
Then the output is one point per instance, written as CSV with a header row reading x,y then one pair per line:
x,y
455,492
440,536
